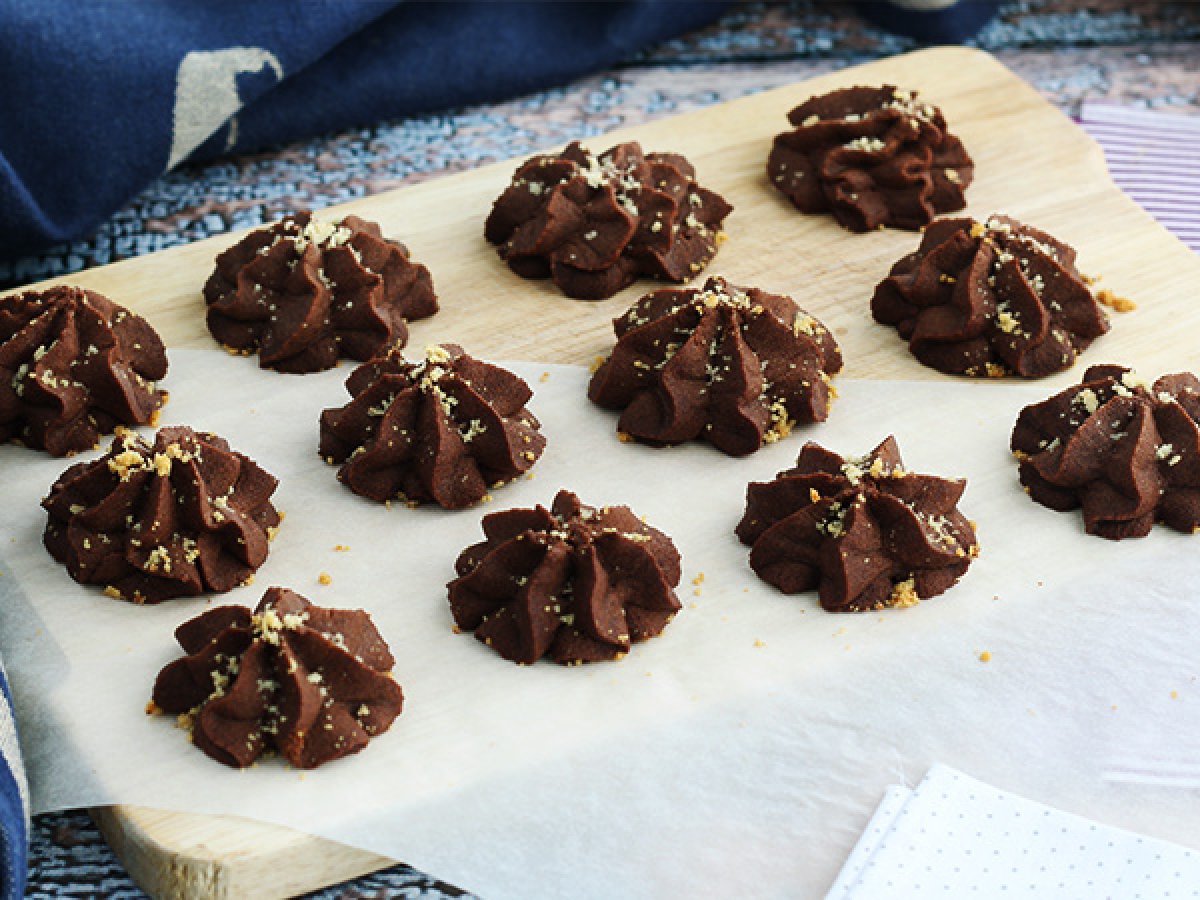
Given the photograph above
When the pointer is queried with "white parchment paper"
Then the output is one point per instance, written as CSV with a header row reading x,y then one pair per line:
x,y
740,753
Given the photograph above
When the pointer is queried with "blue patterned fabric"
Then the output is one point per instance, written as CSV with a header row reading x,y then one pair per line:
x,y
930,21
100,98
14,803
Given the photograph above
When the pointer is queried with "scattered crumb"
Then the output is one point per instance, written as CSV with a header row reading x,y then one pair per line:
x,y
699,579
545,377
759,643
697,592
1174,695
1120,304
341,548
625,437
985,656
325,578
152,708
904,593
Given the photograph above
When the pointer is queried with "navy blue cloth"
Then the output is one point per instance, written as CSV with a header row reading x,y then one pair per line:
x,y
14,810
99,98
950,24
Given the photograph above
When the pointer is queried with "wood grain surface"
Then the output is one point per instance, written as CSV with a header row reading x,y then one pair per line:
x,y
1031,162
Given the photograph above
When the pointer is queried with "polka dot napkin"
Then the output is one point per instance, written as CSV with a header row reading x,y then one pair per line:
x,y
953,836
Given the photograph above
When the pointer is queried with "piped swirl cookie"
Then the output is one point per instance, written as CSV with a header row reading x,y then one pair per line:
x,y
871,156
1125,451
304,292
180,516
737,367
74,366
444,430
573,583
863,533
309,683
990,299
595,223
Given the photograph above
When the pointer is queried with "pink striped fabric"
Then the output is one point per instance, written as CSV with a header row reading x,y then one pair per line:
x,y
1152,157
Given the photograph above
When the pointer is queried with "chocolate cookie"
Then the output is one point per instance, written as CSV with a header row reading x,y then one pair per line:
x,y
303,292
864,533
573,583
871,156
184,515
1128,453
308,683
443,430
73,366
737,367
995,299
596,223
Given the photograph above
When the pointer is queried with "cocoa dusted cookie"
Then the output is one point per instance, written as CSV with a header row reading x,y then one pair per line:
x,y
303,292
308,683
573,583
73,366
181,516
443,430
737,367
871,156
991,299
863,533
594,224
1128,453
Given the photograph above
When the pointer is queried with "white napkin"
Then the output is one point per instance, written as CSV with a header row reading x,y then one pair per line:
x,y
953,836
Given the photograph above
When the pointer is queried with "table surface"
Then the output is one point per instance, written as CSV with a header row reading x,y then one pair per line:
x,y
1128,51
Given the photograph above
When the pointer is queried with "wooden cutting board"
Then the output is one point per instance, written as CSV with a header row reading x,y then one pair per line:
x,y
1031,162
